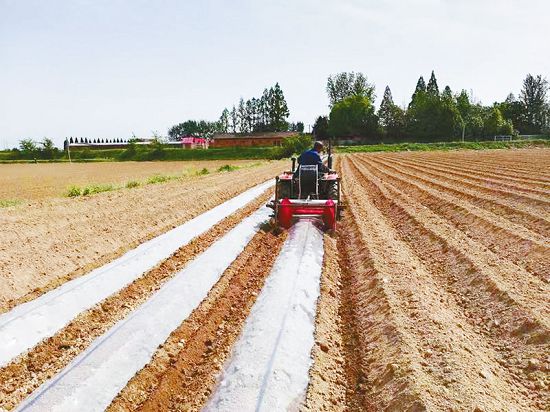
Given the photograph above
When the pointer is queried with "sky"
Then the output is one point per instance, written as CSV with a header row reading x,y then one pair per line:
x,y
113,68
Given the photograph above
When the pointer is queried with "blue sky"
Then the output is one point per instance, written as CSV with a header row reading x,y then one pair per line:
x,y
106,69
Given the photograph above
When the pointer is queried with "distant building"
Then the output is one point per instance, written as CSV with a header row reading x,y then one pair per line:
x,y
186,142
237,140
193,142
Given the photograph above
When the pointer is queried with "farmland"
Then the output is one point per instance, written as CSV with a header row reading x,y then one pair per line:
x,y
29,182
432,293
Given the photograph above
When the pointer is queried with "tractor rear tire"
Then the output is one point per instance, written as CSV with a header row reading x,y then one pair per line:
x,y
332,190
284,189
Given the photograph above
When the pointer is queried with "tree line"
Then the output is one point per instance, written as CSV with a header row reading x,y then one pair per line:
x,y
29,149
267,113
431,115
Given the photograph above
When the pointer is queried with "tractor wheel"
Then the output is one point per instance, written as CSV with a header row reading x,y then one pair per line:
x,y
284,189
332,190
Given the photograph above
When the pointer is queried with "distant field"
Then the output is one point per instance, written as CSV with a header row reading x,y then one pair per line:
x,y
426,147
24,181
168,154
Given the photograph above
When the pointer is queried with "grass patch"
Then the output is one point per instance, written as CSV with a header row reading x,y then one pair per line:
x,y
227,168
132,184
94,189
202,172
415,147
9,202
160,179
74,191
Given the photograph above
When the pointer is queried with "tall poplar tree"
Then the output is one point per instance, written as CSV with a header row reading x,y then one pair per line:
x,y
278,109
432,89
224,121
535,104
386,105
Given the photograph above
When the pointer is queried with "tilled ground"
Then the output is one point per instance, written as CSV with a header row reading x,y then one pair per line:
x,y
45,244
434,296
183,372
444,269
29,370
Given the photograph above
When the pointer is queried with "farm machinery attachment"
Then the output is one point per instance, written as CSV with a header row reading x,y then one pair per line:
x,y
307,192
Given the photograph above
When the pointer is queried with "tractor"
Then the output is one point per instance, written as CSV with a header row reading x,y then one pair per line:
x,y
305,192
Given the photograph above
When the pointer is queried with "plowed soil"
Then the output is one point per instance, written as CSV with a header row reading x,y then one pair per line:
x,y
31,369
434,292
32,182
44,244
444,263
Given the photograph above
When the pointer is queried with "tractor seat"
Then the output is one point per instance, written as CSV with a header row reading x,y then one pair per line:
x,y
308,184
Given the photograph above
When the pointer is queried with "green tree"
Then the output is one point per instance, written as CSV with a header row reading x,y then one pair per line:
x,y
49,151
463,104
474,125
320,128
234,120
447,94
354,116
224,121
432,89
495,123
512,109
28,148
431,116
391,117
343,85
278,110
419,91
384,112
241,111
534,100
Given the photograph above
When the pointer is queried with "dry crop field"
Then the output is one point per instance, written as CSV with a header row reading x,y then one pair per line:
x,y
28,181
433,292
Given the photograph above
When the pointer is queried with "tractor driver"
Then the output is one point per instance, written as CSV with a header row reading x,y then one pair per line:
x,y
313,157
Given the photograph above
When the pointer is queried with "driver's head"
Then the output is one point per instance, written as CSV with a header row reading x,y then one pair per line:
x,y
318,146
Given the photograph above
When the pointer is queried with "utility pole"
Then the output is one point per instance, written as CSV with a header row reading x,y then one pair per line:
x,y
69,150
463,129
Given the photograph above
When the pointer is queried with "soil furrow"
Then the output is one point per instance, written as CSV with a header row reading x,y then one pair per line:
x,y
517,313
184,370
511,170
382,368
534,220
497,177
329,375
46,244
531,294
535,198
454,352
509,241
26,372
517,161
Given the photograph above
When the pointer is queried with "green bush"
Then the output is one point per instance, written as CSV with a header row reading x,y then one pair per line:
x,y
158,179
292,145
227,168
74,191
9,202
93,189
132,183
203,171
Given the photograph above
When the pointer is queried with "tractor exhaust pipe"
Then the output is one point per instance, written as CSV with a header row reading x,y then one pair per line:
x,y
293,164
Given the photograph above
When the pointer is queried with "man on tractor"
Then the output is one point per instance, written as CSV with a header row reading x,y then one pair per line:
x,y
313,157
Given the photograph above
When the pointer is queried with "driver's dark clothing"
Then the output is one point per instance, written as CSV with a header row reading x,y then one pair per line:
x,y
312,157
